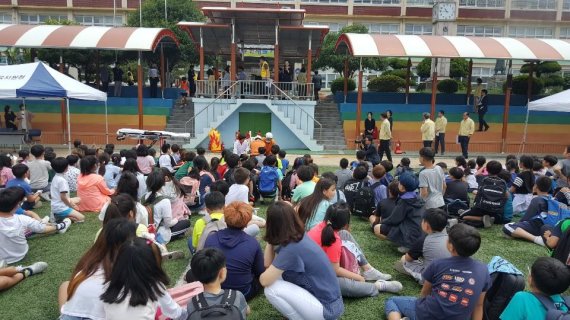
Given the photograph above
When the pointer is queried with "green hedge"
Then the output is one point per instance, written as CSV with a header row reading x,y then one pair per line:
x,y
448,86
389,83
338,85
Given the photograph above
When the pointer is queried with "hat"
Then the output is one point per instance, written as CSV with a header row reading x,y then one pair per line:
x,y
409,181
269,135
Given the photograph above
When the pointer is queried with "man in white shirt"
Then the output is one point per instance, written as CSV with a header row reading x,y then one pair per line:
x,y
241,145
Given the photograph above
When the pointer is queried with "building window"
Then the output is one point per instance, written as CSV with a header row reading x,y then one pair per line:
x,y
325,1
40,18
534,4
106,21
482,72
384,2
531,32
564,33
420,3
383,28
5,18
418,29
479,31
482,3
566,5
333,26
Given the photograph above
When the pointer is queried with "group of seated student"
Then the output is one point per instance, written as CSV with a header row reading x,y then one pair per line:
x,y
311,260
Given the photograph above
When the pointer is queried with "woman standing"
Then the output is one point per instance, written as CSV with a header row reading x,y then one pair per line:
x,y
389,113
370,125
299,280
10,118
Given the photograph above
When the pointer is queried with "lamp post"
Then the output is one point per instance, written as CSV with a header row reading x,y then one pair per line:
x,y
165,11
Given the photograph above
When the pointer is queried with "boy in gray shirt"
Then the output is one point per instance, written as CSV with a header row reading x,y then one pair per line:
x,y
343,174
429,248
432,180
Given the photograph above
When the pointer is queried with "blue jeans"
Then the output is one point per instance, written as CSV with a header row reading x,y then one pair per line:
x,y
406,306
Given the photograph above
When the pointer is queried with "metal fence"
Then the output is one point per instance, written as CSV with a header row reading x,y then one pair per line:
x,y
254,89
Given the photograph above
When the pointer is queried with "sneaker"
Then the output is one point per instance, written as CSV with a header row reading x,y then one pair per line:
x,y
173,255
487,221
45,196
373,274
388,286
399,266
45,220
403,249
37,267
67,222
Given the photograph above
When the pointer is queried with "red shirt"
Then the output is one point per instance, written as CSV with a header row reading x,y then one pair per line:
x,y
332,252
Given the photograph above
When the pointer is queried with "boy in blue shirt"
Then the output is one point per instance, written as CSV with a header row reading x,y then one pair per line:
x,y
21,172
454,288
284,162
548,278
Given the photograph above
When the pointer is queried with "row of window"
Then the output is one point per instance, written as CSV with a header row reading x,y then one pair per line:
x,y
82,20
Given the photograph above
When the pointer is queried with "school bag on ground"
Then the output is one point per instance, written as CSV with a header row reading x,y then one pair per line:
x,y
452,206
212,225
490,196
348,259
506,280
286,191
555,213
152,227
226,310
363,203
552,311
191,188
267,179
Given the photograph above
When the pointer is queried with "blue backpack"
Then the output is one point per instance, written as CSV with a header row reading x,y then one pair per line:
x,y
268,179
555,213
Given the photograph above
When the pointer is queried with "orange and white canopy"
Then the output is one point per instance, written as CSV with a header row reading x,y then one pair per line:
x,y
83,37
376,45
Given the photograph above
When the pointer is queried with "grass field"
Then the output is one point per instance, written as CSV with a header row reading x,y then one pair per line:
x,y
36,297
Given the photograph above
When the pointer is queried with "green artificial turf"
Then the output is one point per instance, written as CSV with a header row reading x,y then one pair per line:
x,y
36,297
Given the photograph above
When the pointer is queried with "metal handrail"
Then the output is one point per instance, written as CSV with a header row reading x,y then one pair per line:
x,y
303,111
223,94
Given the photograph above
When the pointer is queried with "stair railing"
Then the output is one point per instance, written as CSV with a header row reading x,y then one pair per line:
x,y
211,111
299,115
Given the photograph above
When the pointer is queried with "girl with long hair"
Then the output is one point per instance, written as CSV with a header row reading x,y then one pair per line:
x,y
332,234
312,209
91,187
109,170
200,169
128,184
131,165
173,191
162,211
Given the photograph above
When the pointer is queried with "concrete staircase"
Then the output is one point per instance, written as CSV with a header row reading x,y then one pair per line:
x,y
177,121
332,135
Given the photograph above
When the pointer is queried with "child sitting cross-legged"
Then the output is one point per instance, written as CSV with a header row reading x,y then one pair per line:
x,y
454,288
13,227
209,267
429,248
62,206
548,279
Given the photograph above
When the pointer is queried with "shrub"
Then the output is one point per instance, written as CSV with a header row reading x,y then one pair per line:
x,y
338,85
402,74
520,85
553,80
448,86
458,68
396,63
421,87
545,67
389,83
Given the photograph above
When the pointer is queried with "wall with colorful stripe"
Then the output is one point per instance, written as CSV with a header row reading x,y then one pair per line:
x,y
88,118
547,131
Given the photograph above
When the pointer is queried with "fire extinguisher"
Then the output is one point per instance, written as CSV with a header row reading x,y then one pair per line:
x,y
398,149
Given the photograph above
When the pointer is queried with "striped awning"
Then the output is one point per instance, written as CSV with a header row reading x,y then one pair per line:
x,y
82,37
376,45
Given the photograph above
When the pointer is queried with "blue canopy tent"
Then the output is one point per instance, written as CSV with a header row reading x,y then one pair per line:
x,y
39,81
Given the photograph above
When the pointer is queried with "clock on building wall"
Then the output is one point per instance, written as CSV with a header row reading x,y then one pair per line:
x,y
444,11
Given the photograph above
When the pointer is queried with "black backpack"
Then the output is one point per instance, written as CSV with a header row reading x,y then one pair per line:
x,y
286,191
490,196
226,310
552,311
229,176
503,288
363,204
562,250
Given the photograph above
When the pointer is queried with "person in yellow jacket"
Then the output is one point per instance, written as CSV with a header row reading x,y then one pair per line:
x,y
428,130
440,126
466,129
385,135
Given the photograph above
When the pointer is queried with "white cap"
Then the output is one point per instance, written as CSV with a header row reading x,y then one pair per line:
x,y
269,135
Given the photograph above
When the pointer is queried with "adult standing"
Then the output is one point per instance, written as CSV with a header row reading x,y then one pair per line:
x,y
302,82
264,73
24,118
440,126
369,125
287,77
482,109
317,84
118,79
466,129
10,118
428,130
477,95
385,137
192,81
153,78
389,113
104,77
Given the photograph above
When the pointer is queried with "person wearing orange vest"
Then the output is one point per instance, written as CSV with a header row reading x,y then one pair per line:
x,y
184,91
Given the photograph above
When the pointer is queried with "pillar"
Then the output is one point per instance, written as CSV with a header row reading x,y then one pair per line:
x,y
201,55
233,48
470,74
359,101
433,89
276,54
309,58
140,91
162,71
529,88
507,106
408,74
63,106
345,79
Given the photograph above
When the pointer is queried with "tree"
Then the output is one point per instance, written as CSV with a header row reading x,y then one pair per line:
x,y
423,69
448,86
153,16
329,59
389,83
396,63
458,68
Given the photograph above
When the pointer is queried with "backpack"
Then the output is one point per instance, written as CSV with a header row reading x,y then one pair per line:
x,y
556,212
226,310
152,228
191,188
363,203
552,311
452,206
348,259
229,176
503,288
267,179
212,225
490,196
562,250
286,191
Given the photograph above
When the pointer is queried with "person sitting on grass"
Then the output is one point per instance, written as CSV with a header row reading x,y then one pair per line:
x,y
357,182
62,206
209,267
39,170
457,188
91,187
385,207
22,174
161,207
11,276
312,209
13,227
331,235
215,202
299,280
432,180
239,191
72,172
428,248
403,166
338,194
454,287
548,279
388,177
343,174
522,186
403,226
379,189
306,186
242,251
270,179
188,161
